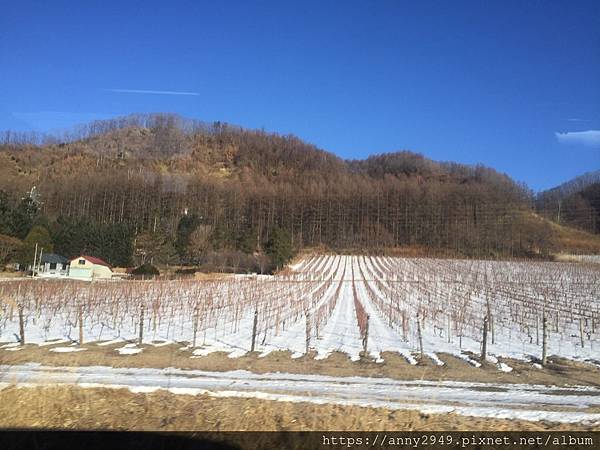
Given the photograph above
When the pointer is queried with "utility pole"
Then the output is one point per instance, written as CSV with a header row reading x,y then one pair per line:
x,y
40,258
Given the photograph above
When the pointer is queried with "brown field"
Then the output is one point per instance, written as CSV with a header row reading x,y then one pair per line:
x,y
571,240
60,407
560,372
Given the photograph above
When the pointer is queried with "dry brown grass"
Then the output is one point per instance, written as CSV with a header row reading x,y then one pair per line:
x,y
571,240
119,409
212,276
10,274
560,372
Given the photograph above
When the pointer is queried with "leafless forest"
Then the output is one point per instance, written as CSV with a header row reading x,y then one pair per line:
x,y
144,171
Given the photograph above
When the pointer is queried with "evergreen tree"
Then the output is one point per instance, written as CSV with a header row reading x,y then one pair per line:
x,y
5,213
279,247
24,216
247,241
154,248
223,237
40,236
117,245
187,224
70,237
146,269
9,247
113,243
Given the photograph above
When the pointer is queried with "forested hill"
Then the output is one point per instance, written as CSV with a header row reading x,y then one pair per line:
x,y
142,173
575,203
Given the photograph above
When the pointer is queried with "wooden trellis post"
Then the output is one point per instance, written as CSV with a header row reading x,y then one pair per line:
x,y
80,323
484,342
366,337
254,330
21,325
544,339
195,325
141,337
420,335
307,332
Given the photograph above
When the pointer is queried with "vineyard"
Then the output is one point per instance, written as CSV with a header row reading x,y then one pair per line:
x,y
361,306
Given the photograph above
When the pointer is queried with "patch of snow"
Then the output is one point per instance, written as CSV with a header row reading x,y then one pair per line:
x,y
129,349
53,342
237,353
435,359
11,345
296,266
467,359
491,358
409,357
390,289
341,332
161,343
505,400
66,349
199,352
111,342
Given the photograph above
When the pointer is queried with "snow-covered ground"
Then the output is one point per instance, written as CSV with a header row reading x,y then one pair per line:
x,y
508,401
315,307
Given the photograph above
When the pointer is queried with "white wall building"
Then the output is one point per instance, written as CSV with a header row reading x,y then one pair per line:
x,y
52,266
89,268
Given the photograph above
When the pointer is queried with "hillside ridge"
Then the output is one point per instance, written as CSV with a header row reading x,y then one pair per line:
x,y
185,190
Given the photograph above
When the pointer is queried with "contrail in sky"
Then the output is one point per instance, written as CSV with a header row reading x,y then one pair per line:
x,y
143,91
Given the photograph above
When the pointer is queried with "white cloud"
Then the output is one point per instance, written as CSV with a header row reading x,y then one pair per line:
x,y
590,138
143,91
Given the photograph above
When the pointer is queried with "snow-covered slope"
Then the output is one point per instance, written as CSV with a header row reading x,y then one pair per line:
x,y
319,304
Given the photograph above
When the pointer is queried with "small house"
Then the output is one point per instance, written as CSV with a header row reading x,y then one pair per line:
x,y
89,268
53,266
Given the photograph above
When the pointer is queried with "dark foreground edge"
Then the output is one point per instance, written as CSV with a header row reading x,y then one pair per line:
x,y
326,440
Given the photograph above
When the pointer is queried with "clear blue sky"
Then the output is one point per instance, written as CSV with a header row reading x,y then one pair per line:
x,y
482,81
